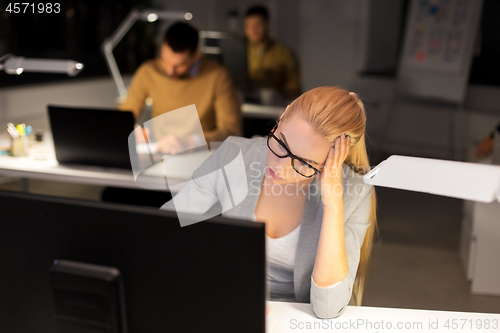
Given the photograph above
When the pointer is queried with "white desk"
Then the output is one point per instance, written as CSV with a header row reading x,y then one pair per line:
x,y
299,317
41,164
480,237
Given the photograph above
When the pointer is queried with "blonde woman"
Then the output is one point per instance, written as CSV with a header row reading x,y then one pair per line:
x,y
305,182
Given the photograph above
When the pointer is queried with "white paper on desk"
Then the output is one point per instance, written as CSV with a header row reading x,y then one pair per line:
x,y
182,122
178,166
270,321
462,180
143,149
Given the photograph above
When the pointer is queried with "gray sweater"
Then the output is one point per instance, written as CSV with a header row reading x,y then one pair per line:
x,y
206,187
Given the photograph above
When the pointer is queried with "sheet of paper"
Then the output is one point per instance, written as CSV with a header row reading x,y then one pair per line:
x,y
142,148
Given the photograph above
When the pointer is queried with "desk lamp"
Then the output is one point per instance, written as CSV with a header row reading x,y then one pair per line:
x,y
469,181
110,43
18,65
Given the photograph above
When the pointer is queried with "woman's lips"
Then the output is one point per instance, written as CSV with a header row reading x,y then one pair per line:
x,y
274,175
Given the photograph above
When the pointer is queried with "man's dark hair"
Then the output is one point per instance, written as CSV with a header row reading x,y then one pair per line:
x,y
258,10
182,37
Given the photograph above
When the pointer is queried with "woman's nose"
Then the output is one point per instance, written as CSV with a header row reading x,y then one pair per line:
x,y
282,165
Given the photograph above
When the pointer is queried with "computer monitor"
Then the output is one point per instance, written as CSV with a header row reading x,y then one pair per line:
x,y
209,276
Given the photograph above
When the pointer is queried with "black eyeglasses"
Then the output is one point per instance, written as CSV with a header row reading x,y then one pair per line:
x,y
279,149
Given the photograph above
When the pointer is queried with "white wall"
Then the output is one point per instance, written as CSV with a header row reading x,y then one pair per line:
x,y
21,102
329,37
333,39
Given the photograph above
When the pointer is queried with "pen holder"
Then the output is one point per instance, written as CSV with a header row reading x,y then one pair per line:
x,y
20,146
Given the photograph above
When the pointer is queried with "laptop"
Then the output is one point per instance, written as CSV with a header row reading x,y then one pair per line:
x,y
90,136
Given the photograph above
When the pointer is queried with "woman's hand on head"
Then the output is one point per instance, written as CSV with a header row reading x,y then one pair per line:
x,y
330,178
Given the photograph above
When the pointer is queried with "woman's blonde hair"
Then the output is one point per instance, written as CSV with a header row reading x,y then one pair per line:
x,y
333,111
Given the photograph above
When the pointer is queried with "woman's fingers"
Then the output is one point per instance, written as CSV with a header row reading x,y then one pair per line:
x,y
343,141
347,147
336,152
342,148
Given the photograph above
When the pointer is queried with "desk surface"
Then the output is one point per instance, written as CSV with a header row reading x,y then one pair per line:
x,y
42,164
293,317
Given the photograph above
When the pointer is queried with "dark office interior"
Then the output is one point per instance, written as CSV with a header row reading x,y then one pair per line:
x,y
429,249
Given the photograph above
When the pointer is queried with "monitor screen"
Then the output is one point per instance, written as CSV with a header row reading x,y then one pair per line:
x,y
209,276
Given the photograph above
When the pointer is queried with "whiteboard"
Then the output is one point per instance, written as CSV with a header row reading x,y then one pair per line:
x,y
438,47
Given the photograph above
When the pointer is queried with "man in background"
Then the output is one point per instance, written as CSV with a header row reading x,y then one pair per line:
x,y
182,77
270,63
